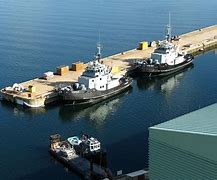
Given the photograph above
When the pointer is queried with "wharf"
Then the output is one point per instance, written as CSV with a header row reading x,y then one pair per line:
x,y
193,42
140,174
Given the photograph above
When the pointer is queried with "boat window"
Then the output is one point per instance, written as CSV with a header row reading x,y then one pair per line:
x,y
100,78
92,80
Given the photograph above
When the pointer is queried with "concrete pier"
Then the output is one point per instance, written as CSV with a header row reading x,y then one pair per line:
x,y
193,42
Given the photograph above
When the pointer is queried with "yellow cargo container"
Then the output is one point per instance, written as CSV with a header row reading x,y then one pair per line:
x,y
78,66
32,89
143,45
115,69
61,70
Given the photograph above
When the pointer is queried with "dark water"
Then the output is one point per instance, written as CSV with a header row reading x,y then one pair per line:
x,y
37,36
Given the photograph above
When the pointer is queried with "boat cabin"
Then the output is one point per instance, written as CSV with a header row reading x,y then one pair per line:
x,y
166,53
55,141
97,76
95,69
74,141
93,144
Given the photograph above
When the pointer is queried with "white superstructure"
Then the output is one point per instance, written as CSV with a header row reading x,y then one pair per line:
x,y
94,144
97,76
166,53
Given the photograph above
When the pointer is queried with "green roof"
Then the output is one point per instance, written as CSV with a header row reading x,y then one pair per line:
x,y
202,121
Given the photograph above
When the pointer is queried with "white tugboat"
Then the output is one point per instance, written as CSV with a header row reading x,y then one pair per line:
x,y
165,59
95,84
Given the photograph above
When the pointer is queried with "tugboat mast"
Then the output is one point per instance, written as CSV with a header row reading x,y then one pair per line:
x,y
168,30
98,54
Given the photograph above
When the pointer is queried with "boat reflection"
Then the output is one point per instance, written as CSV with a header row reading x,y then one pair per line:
x,y
19,110
97,113
171,83
164,84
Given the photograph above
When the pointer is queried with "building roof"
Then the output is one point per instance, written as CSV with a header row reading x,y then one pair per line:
x,y
202,121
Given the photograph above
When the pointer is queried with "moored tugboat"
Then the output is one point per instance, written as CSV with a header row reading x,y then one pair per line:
x,y
95,84
165,59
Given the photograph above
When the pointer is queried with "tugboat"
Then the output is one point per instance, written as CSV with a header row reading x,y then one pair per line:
x,y
165,59
65,153
95,84
89,148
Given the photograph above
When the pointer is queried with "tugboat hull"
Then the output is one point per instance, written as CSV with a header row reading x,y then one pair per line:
x,y
92,96
164,69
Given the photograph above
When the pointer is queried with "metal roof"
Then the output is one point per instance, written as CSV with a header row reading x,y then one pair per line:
x,y
202,121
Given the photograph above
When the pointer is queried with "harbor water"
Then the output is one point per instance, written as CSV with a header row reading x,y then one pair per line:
x,y
37,36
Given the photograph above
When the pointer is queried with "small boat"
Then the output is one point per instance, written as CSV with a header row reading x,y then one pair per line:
x,y
96,84
91,144
165,59
89,148
65,153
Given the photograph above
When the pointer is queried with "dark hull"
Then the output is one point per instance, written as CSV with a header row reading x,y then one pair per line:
x,y
93,96
99,157
163,70
81,166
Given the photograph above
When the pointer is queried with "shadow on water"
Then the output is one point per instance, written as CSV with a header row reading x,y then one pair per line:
x,y
48,172
165,84
118,154
96,113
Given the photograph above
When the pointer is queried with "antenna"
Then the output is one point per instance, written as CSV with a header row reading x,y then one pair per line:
x,y
168,30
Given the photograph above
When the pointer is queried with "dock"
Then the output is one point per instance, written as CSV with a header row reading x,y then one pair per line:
x,y
194,42
136,175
